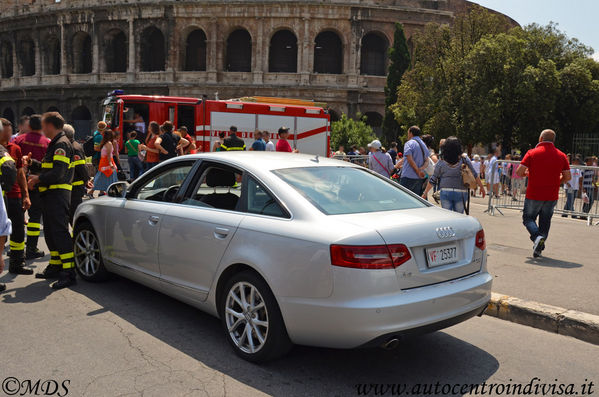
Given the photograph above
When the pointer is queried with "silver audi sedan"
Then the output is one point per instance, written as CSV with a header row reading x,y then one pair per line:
x,y
288,249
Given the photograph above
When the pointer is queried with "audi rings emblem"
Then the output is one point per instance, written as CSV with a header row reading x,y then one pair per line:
x,y
445,232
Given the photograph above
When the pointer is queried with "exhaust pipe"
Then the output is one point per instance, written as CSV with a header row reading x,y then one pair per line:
x,y
390,344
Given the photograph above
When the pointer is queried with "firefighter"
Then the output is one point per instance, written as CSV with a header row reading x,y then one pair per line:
x,y
17,202
53,176
33,144
81,176
233,143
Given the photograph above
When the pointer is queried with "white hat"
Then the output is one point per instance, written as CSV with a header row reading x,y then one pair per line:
x,y
375,144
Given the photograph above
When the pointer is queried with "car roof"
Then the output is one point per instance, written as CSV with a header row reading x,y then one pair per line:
x,y
267,161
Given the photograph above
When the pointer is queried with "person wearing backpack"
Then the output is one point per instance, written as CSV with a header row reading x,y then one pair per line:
x,y
449,175
132,149
416,158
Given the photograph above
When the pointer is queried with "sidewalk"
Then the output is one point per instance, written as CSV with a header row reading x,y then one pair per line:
x,y
566,276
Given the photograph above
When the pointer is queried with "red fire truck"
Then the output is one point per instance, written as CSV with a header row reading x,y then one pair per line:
x,y
309,123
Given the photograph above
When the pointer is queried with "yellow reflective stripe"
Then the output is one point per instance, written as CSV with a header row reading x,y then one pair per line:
x,y
33,225
47,165
55,262
68,265
68,255
15,246
78,162
235,148
64,159
77,183
4,159
54,253
65,186
32,233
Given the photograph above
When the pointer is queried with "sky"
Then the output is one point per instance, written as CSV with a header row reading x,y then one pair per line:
x,y
578,18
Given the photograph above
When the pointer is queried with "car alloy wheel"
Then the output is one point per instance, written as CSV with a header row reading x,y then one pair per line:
x,y
246,317
87,253
88,256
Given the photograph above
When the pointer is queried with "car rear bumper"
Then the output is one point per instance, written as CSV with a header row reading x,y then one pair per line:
x,y
366,321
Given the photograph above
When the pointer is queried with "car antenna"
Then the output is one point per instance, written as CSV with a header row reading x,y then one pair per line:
x,y
315,159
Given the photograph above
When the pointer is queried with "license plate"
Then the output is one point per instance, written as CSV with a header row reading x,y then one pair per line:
x,y
442,255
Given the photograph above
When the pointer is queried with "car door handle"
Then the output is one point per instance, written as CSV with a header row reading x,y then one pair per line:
x,y
221,232
153,220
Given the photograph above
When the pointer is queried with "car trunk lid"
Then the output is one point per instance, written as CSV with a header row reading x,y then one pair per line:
x,y
427,232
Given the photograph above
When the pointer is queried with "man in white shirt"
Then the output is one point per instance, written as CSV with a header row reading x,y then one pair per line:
x,y
5,231
572,186
492,171
270,146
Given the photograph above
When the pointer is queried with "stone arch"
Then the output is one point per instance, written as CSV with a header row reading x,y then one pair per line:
x,y
153,50
81,53
115,51
52,55
6,55
27,111
334,114
328,53
282,54
9,115
82,122
375,120
195,51
373,57
239,51
26,53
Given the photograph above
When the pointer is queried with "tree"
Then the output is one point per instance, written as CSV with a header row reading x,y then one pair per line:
x,y
399,56
486,82
349,132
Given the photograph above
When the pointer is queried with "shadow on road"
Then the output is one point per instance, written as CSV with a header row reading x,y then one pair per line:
x,y
549,262
432,358
35,292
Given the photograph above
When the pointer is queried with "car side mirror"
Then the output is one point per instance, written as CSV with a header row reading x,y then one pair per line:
x,y
117,189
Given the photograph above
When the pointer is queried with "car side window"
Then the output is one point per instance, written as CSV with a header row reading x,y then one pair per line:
x,y
218,187
164,186
260,201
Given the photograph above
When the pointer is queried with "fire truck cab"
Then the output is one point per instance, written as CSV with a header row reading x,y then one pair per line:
x,y
309,123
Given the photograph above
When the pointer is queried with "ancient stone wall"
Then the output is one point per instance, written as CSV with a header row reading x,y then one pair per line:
x,y
67,55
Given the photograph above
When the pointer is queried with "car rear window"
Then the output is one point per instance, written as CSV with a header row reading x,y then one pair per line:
x,y
347,190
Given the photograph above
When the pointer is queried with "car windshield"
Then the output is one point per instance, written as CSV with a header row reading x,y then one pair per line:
x,y
347,190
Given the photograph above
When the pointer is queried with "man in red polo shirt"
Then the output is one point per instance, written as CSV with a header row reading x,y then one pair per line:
x,y
547,168
283,144
36,144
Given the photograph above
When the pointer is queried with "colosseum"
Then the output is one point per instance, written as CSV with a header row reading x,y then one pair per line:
x,y
66,55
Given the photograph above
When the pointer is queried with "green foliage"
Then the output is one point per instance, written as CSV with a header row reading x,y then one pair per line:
x,y
349,132
399,58
484,82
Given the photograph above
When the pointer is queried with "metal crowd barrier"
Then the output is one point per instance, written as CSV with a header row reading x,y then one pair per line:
x,y
356,159
508,191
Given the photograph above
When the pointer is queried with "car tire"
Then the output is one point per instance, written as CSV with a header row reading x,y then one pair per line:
x,y
261,321
88,255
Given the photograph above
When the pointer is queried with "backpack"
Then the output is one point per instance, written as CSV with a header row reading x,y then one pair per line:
x,y
88,146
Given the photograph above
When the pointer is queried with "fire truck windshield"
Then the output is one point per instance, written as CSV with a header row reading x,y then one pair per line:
x,y
110,116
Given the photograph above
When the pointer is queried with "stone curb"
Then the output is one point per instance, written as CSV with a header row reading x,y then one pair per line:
x,y
555,319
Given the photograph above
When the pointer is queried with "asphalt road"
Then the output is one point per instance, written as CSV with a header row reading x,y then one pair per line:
x,y
119,338
568,273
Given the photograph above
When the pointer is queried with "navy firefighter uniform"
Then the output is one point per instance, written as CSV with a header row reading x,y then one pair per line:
x,y
55,185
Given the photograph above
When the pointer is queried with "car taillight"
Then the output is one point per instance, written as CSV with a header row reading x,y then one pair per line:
x,y
481,243
369,257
